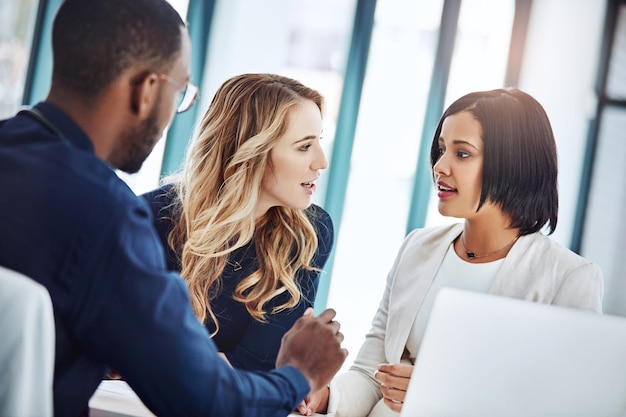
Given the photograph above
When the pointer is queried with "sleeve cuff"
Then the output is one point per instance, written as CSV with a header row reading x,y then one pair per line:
x,y
299,382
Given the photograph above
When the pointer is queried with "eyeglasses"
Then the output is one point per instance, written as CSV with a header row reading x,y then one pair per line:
x,y
187,97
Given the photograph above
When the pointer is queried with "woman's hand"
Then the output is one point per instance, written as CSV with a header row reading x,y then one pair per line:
x,y
315,402
112,374
394,380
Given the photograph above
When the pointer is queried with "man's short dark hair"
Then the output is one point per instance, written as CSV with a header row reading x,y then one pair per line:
x,y
520,159
94,41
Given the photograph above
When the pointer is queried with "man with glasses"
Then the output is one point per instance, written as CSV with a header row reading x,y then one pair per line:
x,y
121,72
187,96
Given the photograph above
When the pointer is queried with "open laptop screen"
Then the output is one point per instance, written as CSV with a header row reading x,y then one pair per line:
x,y
490,356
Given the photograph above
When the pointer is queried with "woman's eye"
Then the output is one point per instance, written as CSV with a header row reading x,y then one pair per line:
x,y
305,148
463,154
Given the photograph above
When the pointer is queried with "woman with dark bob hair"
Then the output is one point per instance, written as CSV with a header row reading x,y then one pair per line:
x,y
494,164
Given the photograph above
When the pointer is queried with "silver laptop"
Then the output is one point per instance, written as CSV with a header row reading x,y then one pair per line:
x,y
490,356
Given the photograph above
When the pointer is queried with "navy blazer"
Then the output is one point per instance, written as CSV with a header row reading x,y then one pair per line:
x,y
248,343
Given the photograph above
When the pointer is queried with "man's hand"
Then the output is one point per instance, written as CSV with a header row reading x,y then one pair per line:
x,y
394,380
313,346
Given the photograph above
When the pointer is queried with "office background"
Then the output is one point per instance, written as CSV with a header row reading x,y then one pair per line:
x,y
388,68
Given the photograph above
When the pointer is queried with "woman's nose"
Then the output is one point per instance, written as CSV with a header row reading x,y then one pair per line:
x,y
320,161
441,167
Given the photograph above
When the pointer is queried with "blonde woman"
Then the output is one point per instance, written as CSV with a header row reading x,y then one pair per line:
x,y
238,222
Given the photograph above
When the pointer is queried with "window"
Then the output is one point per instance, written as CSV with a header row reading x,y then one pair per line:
x,y
17,20
300,39
387,140
604,224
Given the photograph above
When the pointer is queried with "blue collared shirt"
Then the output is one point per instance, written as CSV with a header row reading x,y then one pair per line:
x,y
71,224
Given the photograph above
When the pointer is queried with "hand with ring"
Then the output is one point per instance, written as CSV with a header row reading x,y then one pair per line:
x,y
394,380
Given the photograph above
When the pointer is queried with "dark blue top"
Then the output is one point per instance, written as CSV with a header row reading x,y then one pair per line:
x,y
248,343
71,224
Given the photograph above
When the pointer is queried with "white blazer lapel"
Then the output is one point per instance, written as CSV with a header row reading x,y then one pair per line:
x,y
413,273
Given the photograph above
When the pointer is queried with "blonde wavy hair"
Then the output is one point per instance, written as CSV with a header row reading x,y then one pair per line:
x,y
217,192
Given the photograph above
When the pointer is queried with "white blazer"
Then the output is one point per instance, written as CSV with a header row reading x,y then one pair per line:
x,y
537,268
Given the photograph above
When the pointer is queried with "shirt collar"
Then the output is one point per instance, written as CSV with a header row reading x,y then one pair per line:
x,y
71,131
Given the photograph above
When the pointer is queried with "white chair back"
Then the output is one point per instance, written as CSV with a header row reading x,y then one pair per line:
x,y
26,346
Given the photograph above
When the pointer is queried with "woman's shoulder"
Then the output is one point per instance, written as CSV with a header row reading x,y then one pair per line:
x,y
160,199
318,214
323,225
424,241
435,232
539,245
320,219
162,193
557,274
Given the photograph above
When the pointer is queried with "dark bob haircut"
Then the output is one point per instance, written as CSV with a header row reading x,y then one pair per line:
x,y
94,41
520,160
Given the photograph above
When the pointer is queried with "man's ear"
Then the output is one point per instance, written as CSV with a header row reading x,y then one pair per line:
x,y
144,94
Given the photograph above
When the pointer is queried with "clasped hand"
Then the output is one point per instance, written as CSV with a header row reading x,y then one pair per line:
x,y
394,380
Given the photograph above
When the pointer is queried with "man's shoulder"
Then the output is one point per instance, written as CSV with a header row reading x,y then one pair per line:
x,y
72,183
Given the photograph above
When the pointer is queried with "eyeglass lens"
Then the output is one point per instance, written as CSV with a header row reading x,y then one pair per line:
x,y
187,98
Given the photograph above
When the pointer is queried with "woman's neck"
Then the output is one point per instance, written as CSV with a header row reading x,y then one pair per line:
x,y
485,241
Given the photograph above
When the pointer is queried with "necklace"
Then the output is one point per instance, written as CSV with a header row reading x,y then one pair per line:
x,y
471,255
236,265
